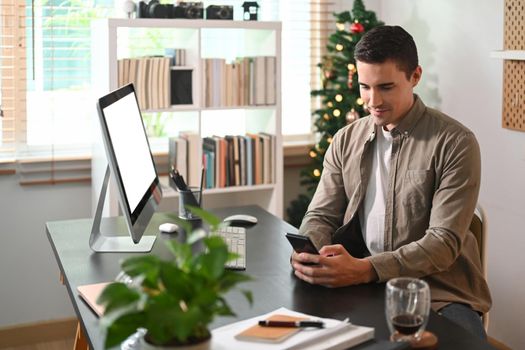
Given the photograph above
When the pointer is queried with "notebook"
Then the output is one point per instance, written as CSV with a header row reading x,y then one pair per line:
x,y
336,335
270,334
90,293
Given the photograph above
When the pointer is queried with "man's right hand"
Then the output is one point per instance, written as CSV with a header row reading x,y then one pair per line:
x,y
333,267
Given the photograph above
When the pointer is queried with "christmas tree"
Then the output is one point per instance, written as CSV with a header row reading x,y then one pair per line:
x,y
340,101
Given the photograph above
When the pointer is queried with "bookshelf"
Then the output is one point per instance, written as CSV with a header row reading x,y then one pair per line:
x,y
202,40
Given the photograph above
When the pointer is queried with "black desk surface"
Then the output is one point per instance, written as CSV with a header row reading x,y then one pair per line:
x,y
268,254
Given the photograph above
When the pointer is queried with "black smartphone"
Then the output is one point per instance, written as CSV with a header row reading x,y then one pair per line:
x,y
301,244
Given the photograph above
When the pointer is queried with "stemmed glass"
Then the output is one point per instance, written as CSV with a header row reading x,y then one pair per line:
x,y
407,307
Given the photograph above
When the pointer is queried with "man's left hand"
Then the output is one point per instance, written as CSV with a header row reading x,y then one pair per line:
x,y
335,267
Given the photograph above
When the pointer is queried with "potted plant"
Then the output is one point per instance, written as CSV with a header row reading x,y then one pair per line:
x,y
174,300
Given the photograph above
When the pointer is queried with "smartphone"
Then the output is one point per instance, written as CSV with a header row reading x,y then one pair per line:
x,y
301,244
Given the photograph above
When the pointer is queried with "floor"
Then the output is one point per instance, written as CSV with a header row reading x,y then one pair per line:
x,y
55,345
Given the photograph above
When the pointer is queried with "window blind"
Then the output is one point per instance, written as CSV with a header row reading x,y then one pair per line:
x,y
322,24
46,128
12,80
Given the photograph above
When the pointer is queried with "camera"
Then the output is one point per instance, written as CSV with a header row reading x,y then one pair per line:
x,y
219,12
154,9
191,10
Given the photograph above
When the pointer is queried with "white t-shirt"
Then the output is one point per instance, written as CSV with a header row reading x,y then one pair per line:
x,y
372,212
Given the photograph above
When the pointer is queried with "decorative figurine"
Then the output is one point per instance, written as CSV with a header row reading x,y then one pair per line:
x,y
251,8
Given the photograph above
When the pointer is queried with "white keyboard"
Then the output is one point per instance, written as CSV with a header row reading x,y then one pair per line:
x,y
235,238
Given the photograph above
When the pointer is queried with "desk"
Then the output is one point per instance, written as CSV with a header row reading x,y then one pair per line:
x,y
268,254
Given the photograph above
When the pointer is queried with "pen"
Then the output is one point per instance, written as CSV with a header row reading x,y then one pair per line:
x,y
295,324
202,183
178,180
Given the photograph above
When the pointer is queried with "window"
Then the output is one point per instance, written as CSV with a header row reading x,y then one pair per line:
x,y
45,63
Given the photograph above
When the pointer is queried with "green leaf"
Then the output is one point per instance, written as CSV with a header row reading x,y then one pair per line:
x,y
185,224
167,321
212,262
176,281
248,295
122,328
231,279
196,236
208,217
182,253
117,295
146,266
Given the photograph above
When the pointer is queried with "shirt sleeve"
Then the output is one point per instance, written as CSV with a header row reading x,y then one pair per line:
x,y
326,210
453,204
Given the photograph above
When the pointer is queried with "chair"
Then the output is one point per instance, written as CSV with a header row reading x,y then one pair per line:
x,y
478,227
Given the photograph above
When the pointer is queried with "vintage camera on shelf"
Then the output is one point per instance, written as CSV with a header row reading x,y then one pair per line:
x,y
219,12
154,9
190,10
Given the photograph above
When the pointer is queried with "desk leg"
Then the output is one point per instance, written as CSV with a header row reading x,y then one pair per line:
x,y
80,340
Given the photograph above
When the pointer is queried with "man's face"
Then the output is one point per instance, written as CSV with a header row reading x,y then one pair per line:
x,y
386,91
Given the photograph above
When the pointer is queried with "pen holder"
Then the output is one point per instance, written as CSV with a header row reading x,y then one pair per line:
x,y
190,197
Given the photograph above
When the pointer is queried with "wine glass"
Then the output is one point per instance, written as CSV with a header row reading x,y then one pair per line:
x,y
407,308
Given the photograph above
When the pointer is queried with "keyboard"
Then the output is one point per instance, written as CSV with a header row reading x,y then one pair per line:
x,y
235,238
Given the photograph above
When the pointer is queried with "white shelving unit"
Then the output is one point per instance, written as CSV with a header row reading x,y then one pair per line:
x,y
201,39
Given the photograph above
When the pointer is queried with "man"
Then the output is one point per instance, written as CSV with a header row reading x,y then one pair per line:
x,y
398,190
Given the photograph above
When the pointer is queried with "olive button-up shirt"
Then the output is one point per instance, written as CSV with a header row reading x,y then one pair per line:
x,y
433,189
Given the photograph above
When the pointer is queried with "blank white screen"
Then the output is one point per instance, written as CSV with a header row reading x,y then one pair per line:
x,y
131,148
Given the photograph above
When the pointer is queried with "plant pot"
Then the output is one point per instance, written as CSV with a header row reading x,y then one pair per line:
x,y
203,345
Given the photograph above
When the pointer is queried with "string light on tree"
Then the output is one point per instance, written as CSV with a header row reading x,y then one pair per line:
x,y
359,101
351,116
339,88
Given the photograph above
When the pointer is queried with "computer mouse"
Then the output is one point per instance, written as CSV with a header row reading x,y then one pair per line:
x,y
241,219
168,227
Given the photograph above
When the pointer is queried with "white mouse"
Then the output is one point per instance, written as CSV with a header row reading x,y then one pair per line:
x,y
241,219
168,227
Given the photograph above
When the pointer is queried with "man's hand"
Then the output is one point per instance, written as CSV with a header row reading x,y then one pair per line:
x,y
334,267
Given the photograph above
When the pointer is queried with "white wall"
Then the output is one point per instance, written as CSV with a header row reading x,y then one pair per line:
x,y
30,290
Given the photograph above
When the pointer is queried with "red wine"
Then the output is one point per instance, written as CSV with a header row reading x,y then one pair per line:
x,y
407,324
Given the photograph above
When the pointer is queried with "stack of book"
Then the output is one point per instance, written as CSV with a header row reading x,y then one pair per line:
x,y
248,81
232,160
151,78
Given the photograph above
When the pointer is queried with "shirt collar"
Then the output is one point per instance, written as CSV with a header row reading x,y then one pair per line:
x,y
410,120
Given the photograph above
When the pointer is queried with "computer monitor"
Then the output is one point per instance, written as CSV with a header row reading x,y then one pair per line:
x,y
131,163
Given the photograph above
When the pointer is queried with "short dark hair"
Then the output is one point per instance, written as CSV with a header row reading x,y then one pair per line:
x,y
384,43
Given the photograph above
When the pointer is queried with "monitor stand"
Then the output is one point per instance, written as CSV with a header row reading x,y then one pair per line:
x,y
114,242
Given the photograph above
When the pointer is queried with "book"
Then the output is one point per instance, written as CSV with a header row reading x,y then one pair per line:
x,y
270,334
260,80
181,87
336,335
270,80
194,157
90,292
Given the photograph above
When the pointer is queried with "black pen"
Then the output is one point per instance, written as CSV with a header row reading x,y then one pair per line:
x,y
178,180
294,324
